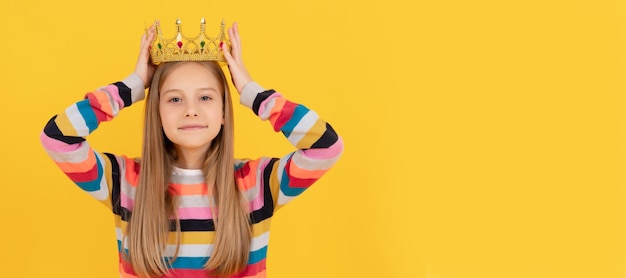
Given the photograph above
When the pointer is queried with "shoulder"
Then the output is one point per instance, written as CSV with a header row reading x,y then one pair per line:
x,y
128,168
248,171
245,165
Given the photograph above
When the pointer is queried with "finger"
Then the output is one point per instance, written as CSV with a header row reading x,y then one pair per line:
x,y
229,58
144,50
235,42
234,33
151,35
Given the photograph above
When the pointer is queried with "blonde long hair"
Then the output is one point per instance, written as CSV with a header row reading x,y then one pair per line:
x,y
154,207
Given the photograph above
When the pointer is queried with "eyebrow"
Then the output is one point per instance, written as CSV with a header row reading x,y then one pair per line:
x,y
197,89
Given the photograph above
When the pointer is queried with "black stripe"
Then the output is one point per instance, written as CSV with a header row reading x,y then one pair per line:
x,y
328,138
267,210
198,225
125,93
52,130
194,225
116,176
260,98
257,216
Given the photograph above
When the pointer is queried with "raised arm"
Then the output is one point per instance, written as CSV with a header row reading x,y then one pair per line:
x,y
318,145
64,136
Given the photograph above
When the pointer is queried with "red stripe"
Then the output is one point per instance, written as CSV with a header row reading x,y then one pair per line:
x,y
251,270
90,175
97,107
297,182
285,115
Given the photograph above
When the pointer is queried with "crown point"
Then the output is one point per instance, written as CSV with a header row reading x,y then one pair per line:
x,y
193,48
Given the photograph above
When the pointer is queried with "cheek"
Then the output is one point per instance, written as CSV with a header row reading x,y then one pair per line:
x,y
166,118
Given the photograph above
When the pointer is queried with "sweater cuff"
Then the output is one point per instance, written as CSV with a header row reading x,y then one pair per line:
x,y
249,93
137,89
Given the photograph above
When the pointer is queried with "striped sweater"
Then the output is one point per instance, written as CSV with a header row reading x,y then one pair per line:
x,y
269,183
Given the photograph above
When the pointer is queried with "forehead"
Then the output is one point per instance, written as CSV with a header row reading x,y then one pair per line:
x,y
190,76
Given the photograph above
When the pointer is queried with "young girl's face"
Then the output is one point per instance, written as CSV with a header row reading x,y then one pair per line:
x,y
191,107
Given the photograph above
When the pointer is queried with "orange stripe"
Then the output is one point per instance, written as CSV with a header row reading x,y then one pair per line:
x,y
105,104
131,173
275,113
249,180
298,172
81,167
189,189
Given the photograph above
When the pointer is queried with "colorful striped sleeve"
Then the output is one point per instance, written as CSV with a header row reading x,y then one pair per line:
x,y
63,137
318,145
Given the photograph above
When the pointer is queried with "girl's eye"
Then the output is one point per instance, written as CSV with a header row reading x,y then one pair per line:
x,y
175,99
205,98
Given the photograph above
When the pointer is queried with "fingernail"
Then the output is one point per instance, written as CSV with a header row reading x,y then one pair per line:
x,y
221,44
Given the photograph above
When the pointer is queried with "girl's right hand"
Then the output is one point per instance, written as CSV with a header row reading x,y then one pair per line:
x,y
144,68
238,72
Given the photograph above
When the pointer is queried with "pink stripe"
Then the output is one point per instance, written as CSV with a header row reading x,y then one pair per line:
x,y
258,202
115,94
327,153
263,104
58,146
253,269
126,201
195,213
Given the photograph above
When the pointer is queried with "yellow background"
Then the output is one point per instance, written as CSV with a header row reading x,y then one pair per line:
x,y
483,138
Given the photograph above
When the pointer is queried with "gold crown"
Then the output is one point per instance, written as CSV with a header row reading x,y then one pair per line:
x,y
183,48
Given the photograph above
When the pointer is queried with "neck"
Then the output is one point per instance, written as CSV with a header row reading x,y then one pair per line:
x,y
190,158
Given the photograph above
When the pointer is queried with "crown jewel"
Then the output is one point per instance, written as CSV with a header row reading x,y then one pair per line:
x,y
183,48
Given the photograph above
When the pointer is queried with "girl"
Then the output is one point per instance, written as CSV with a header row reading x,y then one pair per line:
x,y
187,208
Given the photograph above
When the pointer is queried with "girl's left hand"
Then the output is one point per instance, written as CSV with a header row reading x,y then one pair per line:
x,y
238,72
144,67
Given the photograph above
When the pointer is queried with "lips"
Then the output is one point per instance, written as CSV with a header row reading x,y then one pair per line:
x,y
192,127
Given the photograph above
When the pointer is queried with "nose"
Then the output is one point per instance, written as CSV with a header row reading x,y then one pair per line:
x,y
191,111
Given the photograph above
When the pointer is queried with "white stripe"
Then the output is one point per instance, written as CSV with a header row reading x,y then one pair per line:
x,y
103,192
304,125
284,199
77,120
76,156
281,168
119,235
260,241
194,201
189,250
307,163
